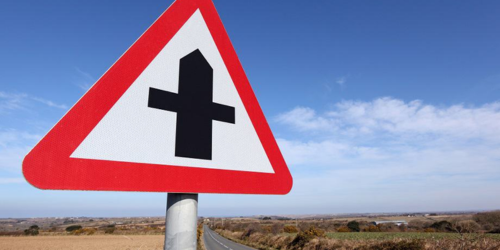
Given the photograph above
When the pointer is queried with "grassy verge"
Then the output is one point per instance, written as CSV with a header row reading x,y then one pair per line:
x,y
366,241
403,235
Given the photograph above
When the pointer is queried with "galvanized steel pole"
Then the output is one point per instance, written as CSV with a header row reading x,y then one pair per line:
x,y
181,221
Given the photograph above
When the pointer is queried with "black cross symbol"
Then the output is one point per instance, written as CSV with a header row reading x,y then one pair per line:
x,y
194,106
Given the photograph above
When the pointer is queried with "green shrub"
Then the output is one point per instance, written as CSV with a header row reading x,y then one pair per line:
x,y
33,230
442,226
353,226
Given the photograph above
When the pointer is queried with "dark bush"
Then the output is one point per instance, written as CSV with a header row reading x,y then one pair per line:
x,y
353,226
73,228
33,230
305,236
442,226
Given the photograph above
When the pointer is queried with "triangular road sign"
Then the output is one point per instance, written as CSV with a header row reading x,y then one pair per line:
x,y
175,113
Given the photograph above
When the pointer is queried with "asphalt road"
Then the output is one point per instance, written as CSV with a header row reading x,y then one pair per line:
x,y
214,241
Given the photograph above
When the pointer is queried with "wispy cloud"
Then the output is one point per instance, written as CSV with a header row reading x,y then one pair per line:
x,y
50,103
19,101
85,80
388,148
341,81
14,145
11,101
338,83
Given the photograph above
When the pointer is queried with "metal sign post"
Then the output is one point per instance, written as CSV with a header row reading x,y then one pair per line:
x,y
181,221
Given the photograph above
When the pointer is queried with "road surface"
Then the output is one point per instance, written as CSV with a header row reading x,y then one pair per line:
x,y
214,241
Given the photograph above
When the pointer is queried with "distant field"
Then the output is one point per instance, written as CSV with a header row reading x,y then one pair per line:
x,y
108,242
401,235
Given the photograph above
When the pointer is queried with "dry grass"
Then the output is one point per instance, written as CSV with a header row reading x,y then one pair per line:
x,y
109,242
285,242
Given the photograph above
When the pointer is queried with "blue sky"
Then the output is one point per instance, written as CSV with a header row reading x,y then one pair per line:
x,y
378,106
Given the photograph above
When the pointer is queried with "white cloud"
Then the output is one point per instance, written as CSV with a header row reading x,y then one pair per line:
x,y
9,101
50,103
341,81
386,150
398,118
305,119
21,101
85,80
14,145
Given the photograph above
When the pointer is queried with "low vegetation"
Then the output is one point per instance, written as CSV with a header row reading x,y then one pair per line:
x,y
73,228
479,231
469,232
200,245
33,230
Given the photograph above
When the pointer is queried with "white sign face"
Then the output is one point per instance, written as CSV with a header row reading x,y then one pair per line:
x,y
175,113
134,130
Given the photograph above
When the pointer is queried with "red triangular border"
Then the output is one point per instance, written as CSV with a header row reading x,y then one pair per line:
x,y
49,166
